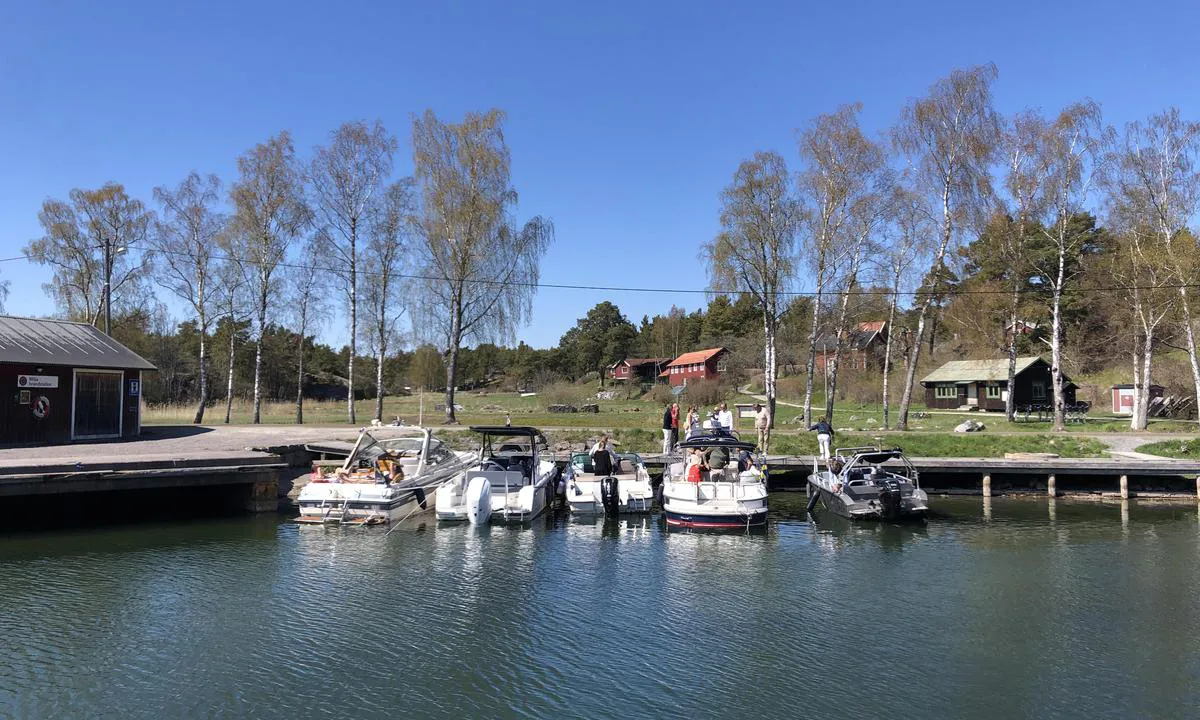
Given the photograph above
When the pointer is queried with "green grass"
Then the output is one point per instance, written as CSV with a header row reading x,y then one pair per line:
x,y
1181,449
918,444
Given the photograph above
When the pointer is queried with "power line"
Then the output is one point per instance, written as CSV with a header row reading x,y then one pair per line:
x,y
879,292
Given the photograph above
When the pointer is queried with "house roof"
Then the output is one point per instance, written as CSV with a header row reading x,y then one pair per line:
x,y
637,362
33,341
698,356
964,371
856,339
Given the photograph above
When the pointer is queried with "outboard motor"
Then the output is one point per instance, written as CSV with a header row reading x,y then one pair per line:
x,y
610,498
889,498
479,500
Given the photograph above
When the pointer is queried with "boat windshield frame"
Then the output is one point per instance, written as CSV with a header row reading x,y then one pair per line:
x,y
425,435
537,441
874,456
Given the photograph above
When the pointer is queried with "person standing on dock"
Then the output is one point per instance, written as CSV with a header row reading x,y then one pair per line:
x,y
670,428
693,422
824,436
725,417
762,423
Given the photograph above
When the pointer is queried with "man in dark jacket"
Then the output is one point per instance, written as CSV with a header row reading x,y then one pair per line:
x,y
670,428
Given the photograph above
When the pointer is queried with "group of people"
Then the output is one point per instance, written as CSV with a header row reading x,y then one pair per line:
x,y
721,418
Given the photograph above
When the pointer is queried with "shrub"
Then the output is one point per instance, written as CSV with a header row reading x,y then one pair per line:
x,y
704,394
660,395
564,393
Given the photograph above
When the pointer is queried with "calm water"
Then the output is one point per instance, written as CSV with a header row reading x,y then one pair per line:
x,y
1090,613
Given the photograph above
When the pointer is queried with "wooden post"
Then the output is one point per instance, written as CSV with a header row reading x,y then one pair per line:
x,y
1051,486
987,484
1124,487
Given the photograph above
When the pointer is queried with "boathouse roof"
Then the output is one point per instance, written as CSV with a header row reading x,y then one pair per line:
x,y
33,341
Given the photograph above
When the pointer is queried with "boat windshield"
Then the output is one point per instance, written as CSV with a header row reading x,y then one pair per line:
x,y
373,448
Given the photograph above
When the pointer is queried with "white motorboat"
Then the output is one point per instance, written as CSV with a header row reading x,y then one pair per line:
x,y
626,489
867,483
513,478
719,498
389,474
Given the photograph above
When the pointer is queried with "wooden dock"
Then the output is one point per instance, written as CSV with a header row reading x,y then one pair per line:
x,y
1032,472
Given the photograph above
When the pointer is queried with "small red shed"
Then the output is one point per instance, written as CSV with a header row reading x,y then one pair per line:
x,y
1122,397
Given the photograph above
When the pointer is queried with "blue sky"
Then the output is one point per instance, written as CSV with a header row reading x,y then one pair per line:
x,y
625,119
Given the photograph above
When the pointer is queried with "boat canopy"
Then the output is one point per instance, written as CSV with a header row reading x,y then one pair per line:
x,y
513,431
708,440
880,456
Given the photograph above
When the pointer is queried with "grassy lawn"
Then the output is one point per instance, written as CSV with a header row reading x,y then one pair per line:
x,y
935,444
1182,449
635,423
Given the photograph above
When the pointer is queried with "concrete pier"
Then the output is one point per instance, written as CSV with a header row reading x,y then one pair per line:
x,y
987,485
1124,487
1052,485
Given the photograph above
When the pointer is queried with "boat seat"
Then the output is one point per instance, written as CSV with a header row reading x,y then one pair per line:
x,y
500,479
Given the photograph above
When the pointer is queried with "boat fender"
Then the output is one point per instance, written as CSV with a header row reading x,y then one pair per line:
x,y
813,496
609,496
478,499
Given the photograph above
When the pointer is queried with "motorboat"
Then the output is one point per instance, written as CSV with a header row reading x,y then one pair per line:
x,y
624,487
714,499
512,478
389,474
868,483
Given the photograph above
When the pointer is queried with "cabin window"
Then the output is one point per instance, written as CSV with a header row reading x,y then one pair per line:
x,y
1038,390
993,391
946,391
721,365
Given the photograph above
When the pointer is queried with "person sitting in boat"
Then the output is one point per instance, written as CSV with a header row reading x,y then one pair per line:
x,y
745,461
716,459
604,458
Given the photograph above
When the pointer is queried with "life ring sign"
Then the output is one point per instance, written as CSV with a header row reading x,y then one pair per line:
x,y
41,407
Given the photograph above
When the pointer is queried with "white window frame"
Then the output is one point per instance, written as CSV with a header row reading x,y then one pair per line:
x,y
120,418
994,391
721,366
945,392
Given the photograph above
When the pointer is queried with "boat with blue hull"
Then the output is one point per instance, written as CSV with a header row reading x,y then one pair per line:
x,y
703,488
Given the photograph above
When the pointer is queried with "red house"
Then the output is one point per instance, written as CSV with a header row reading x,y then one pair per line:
x,y
699,365
644,370
862,347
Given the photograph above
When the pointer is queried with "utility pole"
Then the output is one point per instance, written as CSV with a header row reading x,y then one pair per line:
x,y
108,253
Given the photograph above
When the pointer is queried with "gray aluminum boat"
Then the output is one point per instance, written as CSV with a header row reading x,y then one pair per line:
x,y
867,483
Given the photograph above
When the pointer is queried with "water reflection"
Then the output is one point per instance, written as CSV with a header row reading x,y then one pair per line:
x,y
587,617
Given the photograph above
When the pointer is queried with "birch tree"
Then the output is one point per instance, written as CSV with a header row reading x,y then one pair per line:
x,y
1024,180
308,305
864,163
1155,179
950,138
269,211
755,251
89,244
479,269
231,276
186,238
389,241
345,178
907,232
829,185
1140,267
1068,153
